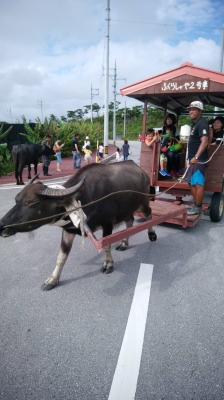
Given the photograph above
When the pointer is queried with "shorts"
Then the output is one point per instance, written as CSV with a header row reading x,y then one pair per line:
x,y
58,155
163,157
196,174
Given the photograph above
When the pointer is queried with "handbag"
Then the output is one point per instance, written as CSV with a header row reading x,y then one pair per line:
x,y
165,149
176,147
56,149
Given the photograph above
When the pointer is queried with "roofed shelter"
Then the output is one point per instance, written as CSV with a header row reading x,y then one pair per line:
x,y
175,89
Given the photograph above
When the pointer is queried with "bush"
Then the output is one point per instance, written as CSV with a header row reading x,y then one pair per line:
x,y
5,157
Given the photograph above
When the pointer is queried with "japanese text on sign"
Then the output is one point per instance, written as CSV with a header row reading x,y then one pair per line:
x,y
185,86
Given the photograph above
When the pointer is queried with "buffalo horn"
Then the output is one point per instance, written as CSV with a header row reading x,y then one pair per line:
x,y
33,179
50,192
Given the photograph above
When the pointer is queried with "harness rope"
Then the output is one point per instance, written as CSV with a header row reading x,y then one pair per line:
x,y
65,214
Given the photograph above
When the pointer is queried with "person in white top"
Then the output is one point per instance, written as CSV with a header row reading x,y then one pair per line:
x,y
100,151
118,155
86,142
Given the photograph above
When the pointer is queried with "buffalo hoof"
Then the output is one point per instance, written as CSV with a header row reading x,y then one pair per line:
x,y
48,286
152,236
106,270
109,270
121,248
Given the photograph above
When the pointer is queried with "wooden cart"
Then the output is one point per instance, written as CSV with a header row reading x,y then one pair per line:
x,y
149,162
173,91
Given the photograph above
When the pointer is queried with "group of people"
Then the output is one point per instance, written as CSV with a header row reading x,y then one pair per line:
x,y
169,160
202,136
75,151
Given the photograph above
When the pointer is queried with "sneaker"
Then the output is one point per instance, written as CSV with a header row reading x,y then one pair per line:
x,y
179,173
194,210
162,172
167,173
172,173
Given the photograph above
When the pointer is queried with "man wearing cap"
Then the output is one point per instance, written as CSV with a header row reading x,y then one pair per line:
x,y
197,155
86,142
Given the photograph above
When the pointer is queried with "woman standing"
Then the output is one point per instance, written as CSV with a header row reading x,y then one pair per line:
x,y
57,148
125,148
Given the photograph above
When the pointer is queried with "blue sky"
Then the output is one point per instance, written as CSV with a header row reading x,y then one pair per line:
x,y
52,50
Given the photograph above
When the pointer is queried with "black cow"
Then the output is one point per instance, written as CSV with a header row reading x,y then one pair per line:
x,y
94,181
27,154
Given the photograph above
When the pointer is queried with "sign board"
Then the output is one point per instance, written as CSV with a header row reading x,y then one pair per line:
x,y
189,85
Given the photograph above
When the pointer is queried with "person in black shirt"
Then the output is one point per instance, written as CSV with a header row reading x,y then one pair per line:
x,y
197,156
76,153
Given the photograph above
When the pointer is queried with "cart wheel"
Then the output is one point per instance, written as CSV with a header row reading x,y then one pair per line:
x,y
217,207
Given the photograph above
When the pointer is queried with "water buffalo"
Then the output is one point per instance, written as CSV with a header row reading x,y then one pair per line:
x,y
94,181
27,154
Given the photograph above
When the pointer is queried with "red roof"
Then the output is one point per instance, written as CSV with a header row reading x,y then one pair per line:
x,y
179,86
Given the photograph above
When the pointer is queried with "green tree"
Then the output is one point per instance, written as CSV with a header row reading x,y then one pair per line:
x,y
71,114
79,114
96,108
52,117
63,119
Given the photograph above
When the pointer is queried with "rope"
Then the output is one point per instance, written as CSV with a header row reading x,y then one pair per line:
x,y
65,214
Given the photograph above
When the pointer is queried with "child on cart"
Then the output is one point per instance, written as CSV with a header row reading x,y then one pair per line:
x,y
169,160
151,137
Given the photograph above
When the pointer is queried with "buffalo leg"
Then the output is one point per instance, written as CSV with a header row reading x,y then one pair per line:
x,y
16,173
29,171
21,175
108,264
148,216
66,245
35,169
123,245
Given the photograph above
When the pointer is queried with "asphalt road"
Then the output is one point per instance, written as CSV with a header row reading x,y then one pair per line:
x,y
65,344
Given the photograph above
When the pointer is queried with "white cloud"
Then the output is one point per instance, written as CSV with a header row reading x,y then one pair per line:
x,y
52,50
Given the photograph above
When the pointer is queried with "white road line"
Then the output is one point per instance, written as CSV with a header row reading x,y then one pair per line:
x,y
126,374
22,186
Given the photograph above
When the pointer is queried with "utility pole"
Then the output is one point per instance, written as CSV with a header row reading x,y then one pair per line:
x,y
106,94
124,118
9,110
92,95
222,49
221,59
40,103
115,94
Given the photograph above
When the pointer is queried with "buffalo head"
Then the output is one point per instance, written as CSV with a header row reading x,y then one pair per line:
x,y
37,205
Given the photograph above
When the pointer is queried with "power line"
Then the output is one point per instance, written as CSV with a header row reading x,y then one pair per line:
x,y
165,24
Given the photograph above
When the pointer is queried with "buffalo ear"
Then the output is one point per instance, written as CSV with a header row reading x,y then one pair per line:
x,y
59,193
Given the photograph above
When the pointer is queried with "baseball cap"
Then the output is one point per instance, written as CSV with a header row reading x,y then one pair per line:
x,y
196,104
87,137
